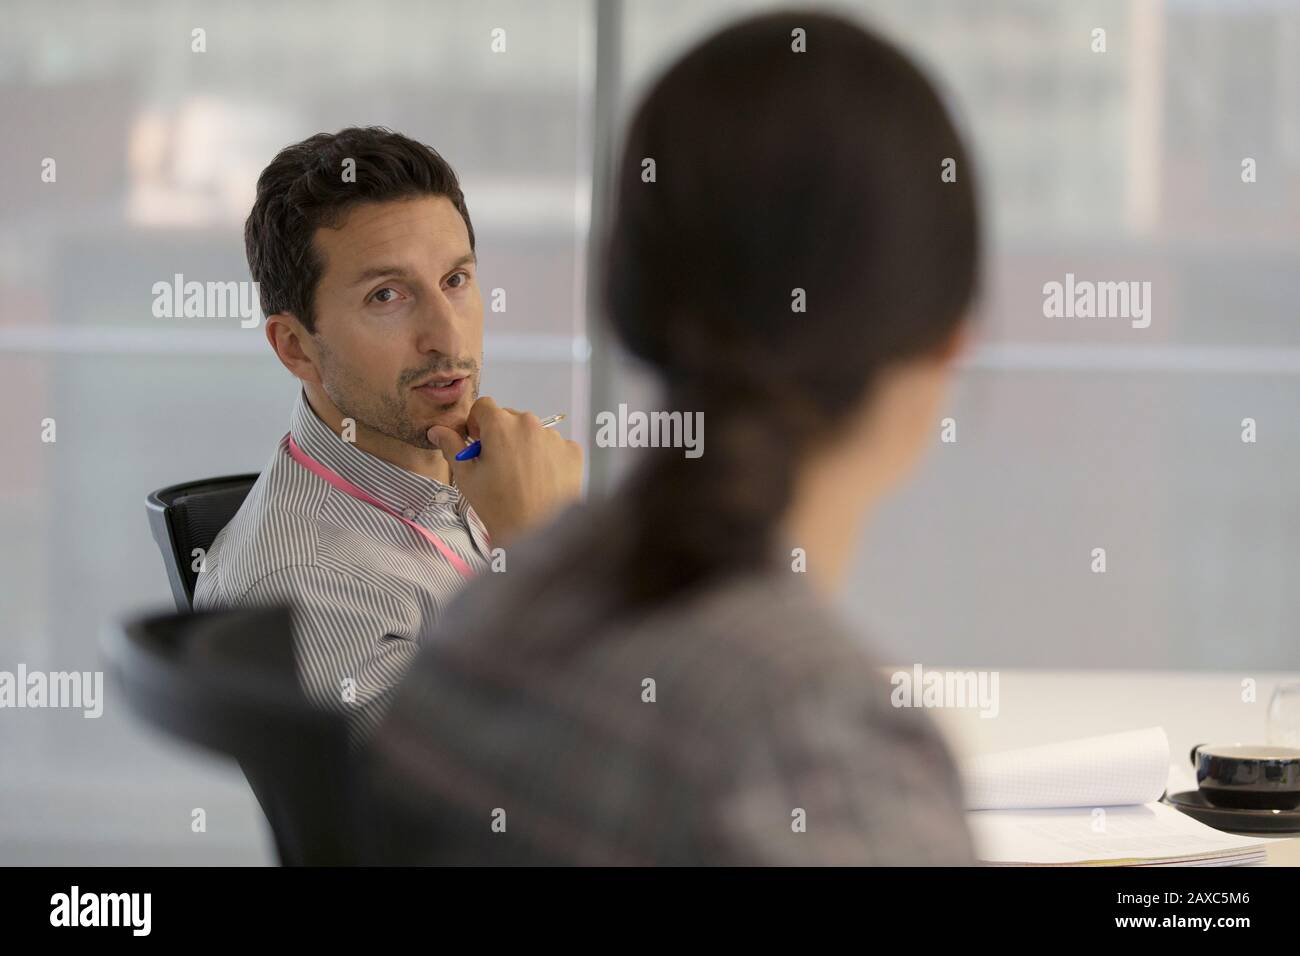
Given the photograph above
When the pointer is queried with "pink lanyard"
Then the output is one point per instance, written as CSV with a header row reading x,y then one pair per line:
x,y
348,488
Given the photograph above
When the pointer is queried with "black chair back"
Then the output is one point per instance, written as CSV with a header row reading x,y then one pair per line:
x,y
189,516
224,680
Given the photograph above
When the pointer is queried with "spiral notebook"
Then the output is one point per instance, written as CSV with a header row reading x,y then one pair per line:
x,y
1090,802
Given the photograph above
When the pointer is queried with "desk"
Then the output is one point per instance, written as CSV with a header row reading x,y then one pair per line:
x,y
1194,707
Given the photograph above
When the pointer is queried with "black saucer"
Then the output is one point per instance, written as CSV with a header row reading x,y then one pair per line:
x,y
1192,803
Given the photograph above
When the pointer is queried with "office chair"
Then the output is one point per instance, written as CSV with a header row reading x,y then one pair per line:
x,y
224,680
188,516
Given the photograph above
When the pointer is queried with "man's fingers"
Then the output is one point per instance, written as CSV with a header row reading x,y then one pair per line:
x,y
481,412
449,442
491,423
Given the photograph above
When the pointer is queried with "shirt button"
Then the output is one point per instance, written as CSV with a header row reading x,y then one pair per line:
x,y
408,513
442,497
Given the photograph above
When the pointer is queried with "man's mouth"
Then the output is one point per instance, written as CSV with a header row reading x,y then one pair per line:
x,y
444,388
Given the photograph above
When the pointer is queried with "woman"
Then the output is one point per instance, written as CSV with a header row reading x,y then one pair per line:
x,y
657,678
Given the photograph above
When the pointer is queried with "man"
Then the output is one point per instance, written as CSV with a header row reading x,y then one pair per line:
x,y
363,249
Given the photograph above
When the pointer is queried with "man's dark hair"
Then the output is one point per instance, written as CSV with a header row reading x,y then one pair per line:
x,y
304,189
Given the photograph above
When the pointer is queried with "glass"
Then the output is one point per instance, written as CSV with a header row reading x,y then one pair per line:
x,y
1284,716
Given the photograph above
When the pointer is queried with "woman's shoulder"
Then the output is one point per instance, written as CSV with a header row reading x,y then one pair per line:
x,y
742,699
555,583
772,627
732,643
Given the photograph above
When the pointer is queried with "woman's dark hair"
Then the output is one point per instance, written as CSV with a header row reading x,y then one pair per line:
x,y
775,171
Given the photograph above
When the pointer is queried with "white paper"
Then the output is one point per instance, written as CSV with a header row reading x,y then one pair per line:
x,y
1116,769
1154,832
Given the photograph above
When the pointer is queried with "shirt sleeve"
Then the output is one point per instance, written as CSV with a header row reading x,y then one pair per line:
x,y
352,641
833,775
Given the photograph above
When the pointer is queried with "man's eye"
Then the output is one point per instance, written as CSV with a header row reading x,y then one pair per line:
x,y
377,296
458,275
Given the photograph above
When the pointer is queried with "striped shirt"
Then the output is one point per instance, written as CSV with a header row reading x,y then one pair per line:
x,y
363,584
741,723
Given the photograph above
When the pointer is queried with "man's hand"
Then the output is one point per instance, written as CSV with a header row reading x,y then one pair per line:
x,y
522,476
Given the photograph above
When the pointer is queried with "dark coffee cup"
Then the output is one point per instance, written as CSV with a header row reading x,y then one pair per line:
x,y
1248,777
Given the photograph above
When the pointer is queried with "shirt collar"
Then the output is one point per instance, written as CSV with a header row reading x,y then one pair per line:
x,y
396,487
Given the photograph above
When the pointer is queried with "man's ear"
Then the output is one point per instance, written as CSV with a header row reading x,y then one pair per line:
x,y
293,346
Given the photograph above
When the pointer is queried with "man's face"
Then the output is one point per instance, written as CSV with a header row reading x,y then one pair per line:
x,y
398,306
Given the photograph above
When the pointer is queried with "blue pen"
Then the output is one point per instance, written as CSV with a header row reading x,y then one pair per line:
x,y
473,448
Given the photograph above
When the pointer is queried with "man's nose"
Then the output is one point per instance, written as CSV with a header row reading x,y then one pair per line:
x,y
442,328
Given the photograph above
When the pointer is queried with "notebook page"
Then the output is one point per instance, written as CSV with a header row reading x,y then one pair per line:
x,y
1125,768
1155,831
